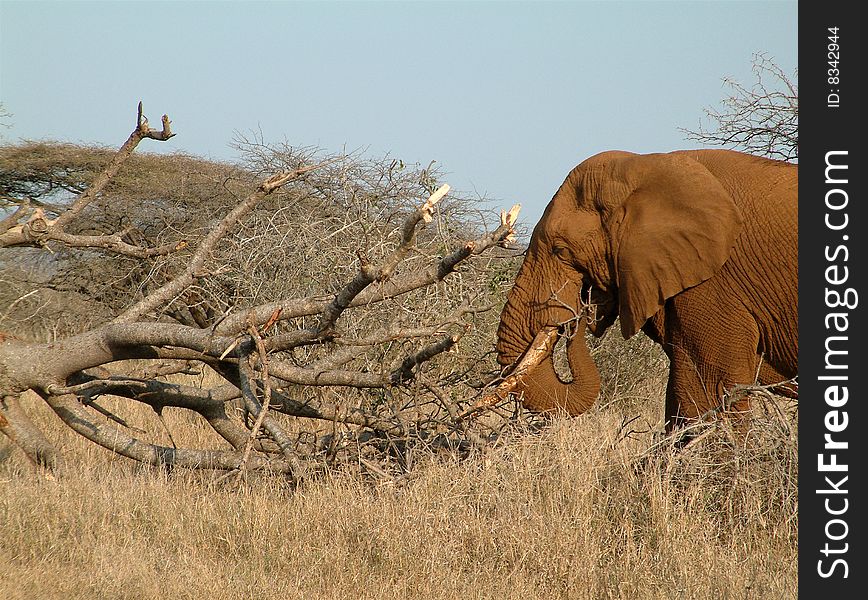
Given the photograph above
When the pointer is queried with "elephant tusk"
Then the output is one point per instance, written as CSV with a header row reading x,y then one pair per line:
x,y
536,352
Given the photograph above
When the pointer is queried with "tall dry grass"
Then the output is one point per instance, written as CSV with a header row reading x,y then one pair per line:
x,y
579,510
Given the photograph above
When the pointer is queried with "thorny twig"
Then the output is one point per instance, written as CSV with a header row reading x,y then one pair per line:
x,y
266,398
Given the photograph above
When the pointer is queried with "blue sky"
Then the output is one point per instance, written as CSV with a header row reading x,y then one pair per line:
x,y
506,97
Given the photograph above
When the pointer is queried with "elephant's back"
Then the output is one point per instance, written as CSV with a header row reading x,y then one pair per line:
x,y
764,264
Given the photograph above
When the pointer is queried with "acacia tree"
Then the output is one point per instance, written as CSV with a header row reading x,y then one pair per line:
x,y
203,291
762,119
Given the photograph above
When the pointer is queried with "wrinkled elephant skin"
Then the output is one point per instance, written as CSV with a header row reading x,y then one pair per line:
x,y
698,249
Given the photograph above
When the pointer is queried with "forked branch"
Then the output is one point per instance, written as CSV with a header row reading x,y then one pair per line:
x,y
37,229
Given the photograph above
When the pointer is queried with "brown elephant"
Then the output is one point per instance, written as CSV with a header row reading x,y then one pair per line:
x,y
697,248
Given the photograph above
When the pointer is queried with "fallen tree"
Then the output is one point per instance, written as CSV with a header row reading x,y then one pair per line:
x,y
371,324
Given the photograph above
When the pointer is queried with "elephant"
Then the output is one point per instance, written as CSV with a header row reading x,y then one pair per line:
x,y
697,248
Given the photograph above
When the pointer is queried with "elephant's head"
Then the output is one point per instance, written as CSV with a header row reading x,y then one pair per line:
x,y
624,233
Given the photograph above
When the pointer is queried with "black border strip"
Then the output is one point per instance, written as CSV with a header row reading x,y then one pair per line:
x,y
833,420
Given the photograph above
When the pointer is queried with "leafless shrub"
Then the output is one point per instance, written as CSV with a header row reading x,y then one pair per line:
x,y
762,119
633,372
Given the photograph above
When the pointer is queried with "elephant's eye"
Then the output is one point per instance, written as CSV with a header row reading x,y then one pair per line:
x,y
559,251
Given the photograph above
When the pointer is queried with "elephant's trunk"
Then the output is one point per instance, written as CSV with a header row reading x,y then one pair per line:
x,y
542,387
545,391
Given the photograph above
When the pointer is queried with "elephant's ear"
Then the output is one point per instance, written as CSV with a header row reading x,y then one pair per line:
x,y
677,229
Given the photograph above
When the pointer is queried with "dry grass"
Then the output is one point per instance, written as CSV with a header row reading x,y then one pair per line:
x,y
572,512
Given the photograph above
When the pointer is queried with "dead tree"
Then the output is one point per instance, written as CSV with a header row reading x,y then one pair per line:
x,y
266,354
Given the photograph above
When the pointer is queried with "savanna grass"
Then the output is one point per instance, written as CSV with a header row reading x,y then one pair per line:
x,y
578,510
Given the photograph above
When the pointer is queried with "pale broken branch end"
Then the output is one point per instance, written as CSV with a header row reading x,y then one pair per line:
x,y
436,197
511,216
509,219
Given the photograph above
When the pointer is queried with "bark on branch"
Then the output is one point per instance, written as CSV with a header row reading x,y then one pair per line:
x,y
38,230
539,349
71,412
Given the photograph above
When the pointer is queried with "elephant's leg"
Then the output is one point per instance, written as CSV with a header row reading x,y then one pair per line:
x,y
711,340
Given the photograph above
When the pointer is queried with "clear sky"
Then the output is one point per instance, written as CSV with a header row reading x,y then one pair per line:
x,y
506,97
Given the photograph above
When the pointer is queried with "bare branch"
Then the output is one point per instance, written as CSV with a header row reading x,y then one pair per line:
x,y
38,229
113,243
405,371
389,289
75,416
145,131
195,267
15,423
304,376
263,409
538,350
761,120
